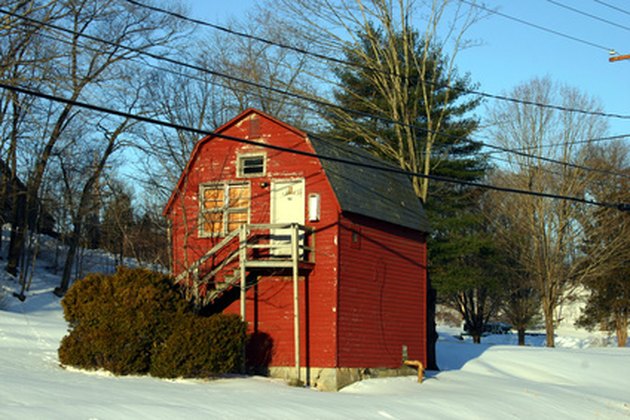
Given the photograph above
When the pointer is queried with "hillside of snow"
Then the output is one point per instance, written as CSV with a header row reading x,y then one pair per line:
x,y
487,381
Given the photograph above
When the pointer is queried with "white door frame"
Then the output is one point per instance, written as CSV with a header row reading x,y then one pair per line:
x,y
272,213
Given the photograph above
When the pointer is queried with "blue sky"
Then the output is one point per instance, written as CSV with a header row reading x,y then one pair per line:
x,y
511,53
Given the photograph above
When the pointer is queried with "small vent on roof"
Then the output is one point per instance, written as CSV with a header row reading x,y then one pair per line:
x,y
254,127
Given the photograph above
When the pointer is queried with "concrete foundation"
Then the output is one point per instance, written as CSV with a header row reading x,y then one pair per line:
x,y
333,379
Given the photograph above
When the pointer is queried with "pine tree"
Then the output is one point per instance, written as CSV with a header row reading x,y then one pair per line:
x,y
399,129
607,242
372,96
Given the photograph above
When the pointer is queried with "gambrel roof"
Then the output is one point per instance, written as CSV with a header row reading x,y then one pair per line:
x,y
382,195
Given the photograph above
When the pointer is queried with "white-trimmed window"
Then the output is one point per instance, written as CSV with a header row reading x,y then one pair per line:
x,y
223,208
251,165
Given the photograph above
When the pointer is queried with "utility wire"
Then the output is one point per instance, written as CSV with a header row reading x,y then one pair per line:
x,y
578,11
568,143
365,67
383,167
542,28
287,93
566,164
519,151
619,9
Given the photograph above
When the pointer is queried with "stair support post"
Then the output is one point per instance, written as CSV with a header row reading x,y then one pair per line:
x,y
242,257
296,296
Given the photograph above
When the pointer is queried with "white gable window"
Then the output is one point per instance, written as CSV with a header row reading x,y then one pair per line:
x,y
223,208
249,166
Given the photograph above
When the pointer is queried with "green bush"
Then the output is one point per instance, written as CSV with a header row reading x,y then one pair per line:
x,y
116,321
201,347
136,322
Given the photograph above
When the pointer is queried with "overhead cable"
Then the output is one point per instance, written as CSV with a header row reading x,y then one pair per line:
x,y
365,67
542,28
578,11
568,143
388,168
619,9
291,94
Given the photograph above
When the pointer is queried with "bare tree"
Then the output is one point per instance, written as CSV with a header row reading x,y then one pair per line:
x,y
192,100
607,239
24,59
82,67
520,299
118,220
243,73
543,234
85,203
261,66
412,72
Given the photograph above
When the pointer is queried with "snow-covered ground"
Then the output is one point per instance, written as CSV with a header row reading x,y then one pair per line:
x,y
486,381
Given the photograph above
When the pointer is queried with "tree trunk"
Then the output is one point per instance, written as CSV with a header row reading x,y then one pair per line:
x,y
521,336
432,335
621,324
16,242
67,267
549,327
476,338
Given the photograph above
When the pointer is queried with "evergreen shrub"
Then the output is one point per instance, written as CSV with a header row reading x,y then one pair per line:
x,y
126,321
201,347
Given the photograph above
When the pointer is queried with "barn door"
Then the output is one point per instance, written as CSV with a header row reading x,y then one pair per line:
x,y
287,206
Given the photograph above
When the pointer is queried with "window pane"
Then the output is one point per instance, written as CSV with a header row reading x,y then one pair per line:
x,y
252,165
213,223
239,197
213,198
235,219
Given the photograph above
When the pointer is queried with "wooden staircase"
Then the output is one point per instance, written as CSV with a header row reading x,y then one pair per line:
x,y
251,249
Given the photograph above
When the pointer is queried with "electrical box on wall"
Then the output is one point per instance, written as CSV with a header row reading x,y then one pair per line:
x,y
313,207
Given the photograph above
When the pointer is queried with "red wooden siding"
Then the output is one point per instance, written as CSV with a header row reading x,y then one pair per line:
x,y
270,304
382,293
364,298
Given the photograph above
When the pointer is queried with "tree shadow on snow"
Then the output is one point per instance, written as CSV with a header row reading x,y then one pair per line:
x,y
453,353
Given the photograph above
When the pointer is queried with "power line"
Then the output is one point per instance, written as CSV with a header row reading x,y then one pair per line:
x,y
497,149
383,168
544,159
365,67
285,92
578,11
619,9
542,28
568,143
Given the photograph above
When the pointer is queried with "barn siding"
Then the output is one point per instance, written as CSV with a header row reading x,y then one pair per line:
x,y
380,307
360,321
269,306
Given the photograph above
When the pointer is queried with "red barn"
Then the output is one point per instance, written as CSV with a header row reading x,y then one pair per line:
x,y
326,261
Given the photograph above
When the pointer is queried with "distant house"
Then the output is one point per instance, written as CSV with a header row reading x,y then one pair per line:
x,y
325,261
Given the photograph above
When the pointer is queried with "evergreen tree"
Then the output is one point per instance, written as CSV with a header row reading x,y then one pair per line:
x,y
607,242
399,129
373,96
465,262
608,305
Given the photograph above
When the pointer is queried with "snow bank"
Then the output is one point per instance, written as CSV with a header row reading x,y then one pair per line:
x,y
486,381
479,381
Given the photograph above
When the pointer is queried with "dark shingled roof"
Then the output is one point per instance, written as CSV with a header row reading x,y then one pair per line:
x,y
378,194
